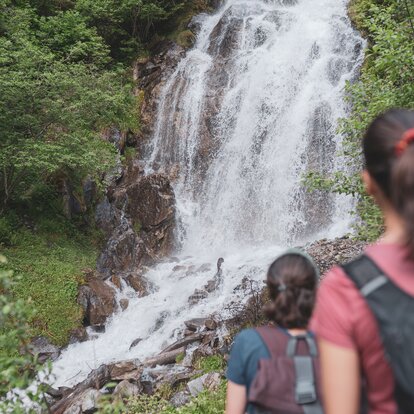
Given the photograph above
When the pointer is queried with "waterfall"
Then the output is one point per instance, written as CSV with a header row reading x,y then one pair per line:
x,y
249,109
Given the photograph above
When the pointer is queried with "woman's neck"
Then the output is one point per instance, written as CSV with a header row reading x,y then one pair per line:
x,y
395,232
295,332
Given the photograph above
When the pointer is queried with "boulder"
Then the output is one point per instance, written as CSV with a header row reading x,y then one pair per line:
x,y
210,324
208,381
125,370
122,253
126,389
45,350
139,283
180,398
195,324
97,299
124,303
90,401
151,206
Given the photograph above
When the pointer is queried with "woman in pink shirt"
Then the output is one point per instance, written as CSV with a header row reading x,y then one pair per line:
x,y
350,345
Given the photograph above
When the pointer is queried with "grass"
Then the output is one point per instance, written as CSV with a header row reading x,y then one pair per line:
x,y
210,364
50,262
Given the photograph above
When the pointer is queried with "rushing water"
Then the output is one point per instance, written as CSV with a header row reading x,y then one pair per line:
x,y
249,109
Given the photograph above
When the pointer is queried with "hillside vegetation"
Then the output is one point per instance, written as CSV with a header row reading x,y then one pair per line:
x,y
65,80
386,81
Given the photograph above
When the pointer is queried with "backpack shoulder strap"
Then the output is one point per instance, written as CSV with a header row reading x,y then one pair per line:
x,y
275,340
395,323
366,275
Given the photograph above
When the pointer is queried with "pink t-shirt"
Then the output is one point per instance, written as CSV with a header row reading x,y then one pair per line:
x,y
342,317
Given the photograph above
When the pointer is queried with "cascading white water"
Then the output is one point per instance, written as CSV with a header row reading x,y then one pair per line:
x,y
249,109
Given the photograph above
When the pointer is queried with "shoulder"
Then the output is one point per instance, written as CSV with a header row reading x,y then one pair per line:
x,y
336,310
249,342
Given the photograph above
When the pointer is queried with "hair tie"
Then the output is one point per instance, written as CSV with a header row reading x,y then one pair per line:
x,y
404,142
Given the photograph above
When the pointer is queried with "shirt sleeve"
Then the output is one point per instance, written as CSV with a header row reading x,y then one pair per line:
x,y
333,315
236,366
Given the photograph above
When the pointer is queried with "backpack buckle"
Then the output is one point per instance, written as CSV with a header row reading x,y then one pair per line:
x,y
305,392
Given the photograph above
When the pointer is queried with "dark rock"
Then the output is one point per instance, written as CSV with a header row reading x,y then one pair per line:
x,y
44,349
123,303
139,283
89,192
135,342
72,205
122,253
195,324
151,205
210,324
97,300
107,216
125,370
184,342
116,280
78,335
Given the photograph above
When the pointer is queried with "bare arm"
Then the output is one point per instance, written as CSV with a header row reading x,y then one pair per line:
x,y
340,378
236,398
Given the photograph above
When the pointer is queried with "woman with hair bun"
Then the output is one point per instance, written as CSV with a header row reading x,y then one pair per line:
x,y
364,313
261,377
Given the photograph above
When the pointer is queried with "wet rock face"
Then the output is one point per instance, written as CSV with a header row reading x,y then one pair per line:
x,y
97,300
151,74
138,218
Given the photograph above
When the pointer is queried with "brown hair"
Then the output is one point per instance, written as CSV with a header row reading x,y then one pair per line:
x,y
393,172
292,280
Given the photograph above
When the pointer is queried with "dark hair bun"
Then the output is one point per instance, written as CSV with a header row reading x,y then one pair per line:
x,y
292,282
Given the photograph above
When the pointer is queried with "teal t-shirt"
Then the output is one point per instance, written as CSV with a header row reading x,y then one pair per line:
x,y
248,348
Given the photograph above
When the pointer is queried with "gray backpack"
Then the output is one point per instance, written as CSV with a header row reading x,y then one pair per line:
x,y
287,383
394,312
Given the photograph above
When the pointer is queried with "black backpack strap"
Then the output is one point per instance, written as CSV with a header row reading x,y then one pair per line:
x,y
366,275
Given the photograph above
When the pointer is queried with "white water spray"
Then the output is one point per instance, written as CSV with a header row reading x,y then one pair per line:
x,y
249,109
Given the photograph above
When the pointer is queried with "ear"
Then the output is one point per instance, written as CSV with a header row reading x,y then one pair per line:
x,y
370,185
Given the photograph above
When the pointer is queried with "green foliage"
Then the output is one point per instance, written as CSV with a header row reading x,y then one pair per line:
x,y
386,81
56,96
50,264
18,368
207,402
210,363
148,404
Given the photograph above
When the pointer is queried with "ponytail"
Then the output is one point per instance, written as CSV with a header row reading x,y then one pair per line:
x,y
292,280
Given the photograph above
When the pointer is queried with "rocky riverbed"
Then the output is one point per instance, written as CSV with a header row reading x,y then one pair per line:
x,y
177,366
